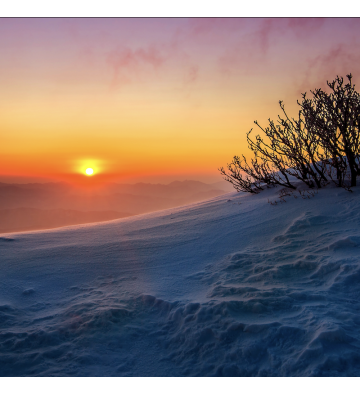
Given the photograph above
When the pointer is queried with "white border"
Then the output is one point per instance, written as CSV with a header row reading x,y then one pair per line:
x,y
179,386
180,8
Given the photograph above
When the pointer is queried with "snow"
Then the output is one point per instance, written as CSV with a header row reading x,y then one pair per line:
x,y
232,286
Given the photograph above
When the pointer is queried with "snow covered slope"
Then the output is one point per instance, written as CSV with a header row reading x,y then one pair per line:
x,y
230,286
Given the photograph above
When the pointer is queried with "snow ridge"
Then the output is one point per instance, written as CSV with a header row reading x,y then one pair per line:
x,y
228,287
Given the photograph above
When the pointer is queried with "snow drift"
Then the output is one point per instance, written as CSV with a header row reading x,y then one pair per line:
x,y
232,286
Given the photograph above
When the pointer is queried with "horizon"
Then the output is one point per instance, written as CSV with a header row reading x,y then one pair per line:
x,y
164,180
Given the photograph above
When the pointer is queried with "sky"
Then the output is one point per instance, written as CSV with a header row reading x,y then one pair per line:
x,y
154,99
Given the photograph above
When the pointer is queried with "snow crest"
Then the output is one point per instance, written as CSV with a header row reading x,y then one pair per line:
x,y
228,287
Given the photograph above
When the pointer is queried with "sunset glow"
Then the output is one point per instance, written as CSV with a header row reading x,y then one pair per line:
x,y
154,97
89,171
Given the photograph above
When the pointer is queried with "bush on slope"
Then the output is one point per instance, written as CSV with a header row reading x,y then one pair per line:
x,y
322,144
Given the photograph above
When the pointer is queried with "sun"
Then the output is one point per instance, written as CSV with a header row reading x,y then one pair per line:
x,y
89,171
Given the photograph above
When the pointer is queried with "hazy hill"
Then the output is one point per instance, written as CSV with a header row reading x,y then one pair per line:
x,y
22,219
42,205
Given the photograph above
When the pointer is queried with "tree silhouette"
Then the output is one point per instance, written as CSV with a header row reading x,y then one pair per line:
x,y
335,120
321,144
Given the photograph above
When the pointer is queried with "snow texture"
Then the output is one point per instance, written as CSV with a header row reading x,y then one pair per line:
x,y
232,286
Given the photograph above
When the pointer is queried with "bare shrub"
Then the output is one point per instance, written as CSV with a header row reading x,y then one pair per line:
x,y
322,144
334,119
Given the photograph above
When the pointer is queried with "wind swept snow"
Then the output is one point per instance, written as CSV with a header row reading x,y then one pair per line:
x,y
230,286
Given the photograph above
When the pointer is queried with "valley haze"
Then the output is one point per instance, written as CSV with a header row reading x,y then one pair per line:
x,y
35,206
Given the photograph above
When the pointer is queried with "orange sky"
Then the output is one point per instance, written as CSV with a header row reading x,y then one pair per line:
x,y
148,99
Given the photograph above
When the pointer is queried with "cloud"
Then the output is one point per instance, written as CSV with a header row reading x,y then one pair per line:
x,y
127,62
256,30
199,27
243,57
262,36
271,30
136,64
305,27
248,53
252,50
192,74
340,59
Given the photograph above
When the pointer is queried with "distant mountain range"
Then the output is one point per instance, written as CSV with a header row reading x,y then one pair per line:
x,y
22,219
49,205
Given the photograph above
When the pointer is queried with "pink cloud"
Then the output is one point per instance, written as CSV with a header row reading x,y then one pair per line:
x,y
270,30
339,60
192,75
126,62
244,57
262,36
251,51
203,26
305,27
200,26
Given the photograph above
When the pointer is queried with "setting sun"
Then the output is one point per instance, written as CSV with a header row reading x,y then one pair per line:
x,y
89,171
